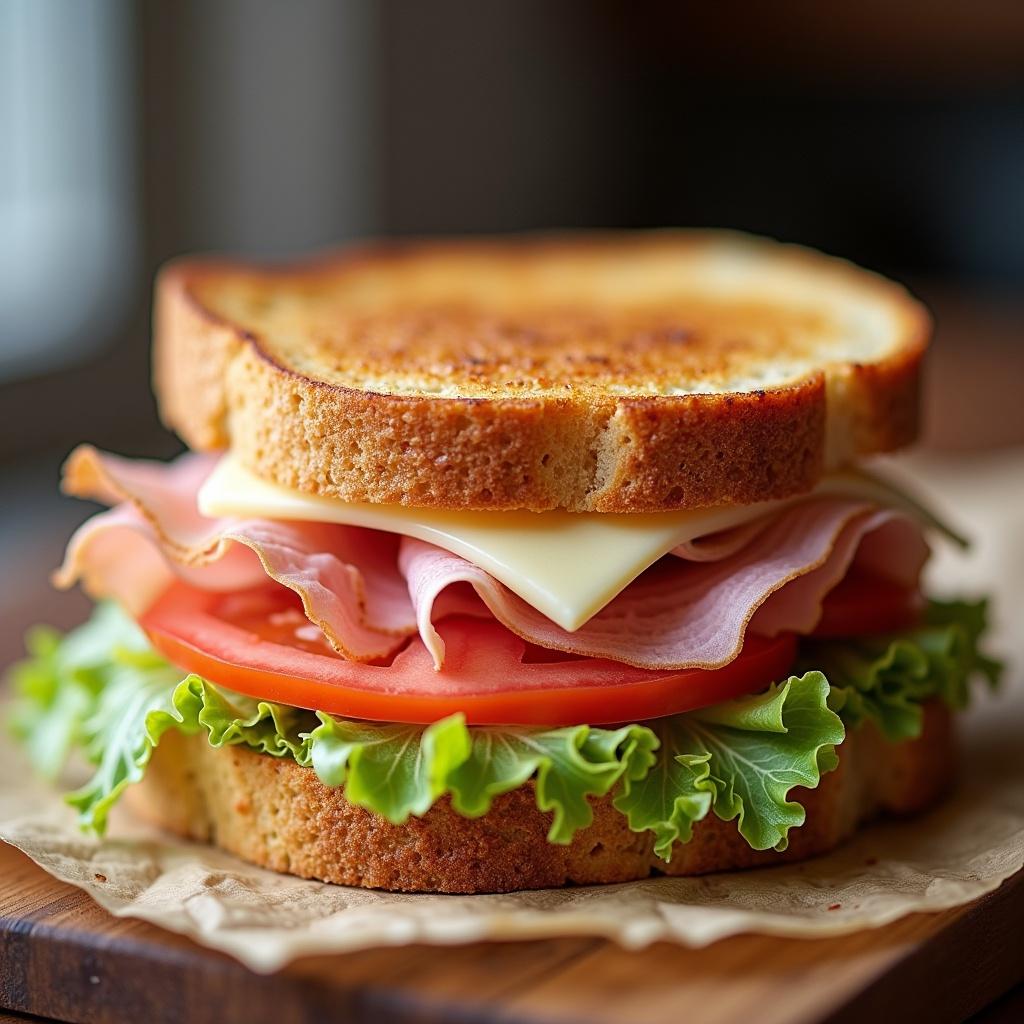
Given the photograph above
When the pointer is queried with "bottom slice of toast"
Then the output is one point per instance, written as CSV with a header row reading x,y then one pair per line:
x,y
276,813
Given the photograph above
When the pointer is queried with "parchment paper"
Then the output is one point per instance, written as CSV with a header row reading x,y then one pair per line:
x,y
953,855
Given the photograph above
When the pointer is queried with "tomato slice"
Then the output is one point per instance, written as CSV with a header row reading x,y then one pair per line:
x,y
259,643
863,603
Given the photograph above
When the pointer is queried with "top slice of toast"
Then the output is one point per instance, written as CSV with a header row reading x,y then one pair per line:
x,y
616,373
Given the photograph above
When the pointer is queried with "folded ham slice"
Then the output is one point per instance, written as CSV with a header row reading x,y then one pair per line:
x,y
681,615
368,591
347,577
720,545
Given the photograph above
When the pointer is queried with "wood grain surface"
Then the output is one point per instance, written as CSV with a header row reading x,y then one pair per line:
x,y
64,958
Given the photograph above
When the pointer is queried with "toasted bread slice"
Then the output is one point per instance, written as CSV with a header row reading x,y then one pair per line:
x,y
630,373
276,813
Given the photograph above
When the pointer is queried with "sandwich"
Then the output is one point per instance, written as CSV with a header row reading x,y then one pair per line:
x,y
514,563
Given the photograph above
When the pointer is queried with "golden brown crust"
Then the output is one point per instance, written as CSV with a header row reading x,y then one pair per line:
x,y
621,374
277,814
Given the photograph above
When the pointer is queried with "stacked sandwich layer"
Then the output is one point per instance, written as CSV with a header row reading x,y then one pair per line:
x,y
676,665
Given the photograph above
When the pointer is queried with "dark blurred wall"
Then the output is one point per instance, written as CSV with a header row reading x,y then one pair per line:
x,y
260,123
252,126
889,133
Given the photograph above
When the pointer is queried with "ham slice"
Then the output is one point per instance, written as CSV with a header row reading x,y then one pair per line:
x,y
347,577
368,591
883,542
717,546
679,615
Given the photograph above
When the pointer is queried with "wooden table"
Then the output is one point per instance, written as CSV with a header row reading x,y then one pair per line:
x,y
64,958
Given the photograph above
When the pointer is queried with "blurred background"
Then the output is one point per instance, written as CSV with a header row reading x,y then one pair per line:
x,y
892,134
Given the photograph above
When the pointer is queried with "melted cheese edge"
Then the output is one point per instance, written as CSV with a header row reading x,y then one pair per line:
x,y
567,565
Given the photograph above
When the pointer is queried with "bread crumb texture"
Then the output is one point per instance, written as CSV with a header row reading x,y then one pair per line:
x,y
628,373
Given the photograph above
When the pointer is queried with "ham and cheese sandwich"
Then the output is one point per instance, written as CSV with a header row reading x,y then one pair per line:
x,y
514,563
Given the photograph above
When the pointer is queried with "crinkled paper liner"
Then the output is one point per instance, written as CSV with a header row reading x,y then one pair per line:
x,y
955,854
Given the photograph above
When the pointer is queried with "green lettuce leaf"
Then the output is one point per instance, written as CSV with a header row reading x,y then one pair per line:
x,y
398,770
394,770
145,697
58,687
887,678
740,759
570,765
102,689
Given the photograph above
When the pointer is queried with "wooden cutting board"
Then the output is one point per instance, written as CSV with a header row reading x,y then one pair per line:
x,y
63,957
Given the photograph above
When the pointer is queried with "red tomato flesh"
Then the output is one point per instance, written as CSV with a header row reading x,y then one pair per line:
x,y
248,643
862,604
260,644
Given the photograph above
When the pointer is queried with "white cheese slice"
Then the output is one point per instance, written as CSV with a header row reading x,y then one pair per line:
x,y
567,565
